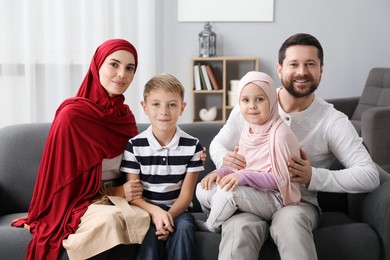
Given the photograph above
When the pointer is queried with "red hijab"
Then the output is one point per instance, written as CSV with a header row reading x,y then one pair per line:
x,y
86,129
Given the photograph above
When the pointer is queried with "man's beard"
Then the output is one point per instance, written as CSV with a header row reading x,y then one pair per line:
x,y
298,94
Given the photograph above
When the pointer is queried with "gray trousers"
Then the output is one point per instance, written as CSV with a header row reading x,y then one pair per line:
x,y
243,234
220,205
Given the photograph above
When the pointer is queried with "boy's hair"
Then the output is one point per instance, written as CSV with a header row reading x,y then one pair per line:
x,y
166,82
301,39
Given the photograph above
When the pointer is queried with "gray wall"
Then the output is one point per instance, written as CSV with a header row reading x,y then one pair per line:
x,y
355,36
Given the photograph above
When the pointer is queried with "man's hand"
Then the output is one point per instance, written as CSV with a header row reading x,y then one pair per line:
x,y
300,168
203,155
233,160
133,190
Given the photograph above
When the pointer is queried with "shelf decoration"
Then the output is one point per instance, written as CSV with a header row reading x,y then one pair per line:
x,y
208,115
233,93
207,42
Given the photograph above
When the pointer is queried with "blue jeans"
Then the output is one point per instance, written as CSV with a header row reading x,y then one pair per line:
x,y
180,245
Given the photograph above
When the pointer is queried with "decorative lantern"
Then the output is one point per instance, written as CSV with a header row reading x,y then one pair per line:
x,y
207,42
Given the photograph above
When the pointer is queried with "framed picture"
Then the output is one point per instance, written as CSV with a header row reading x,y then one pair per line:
x,y
225,10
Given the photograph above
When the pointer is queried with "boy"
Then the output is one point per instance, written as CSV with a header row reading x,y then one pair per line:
x,y
167,162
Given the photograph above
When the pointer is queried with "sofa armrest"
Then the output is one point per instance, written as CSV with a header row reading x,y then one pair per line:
x,y
355,200
376,212
345,105
375,129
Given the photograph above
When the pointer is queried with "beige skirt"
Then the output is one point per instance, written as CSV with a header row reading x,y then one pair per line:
x,y
107,223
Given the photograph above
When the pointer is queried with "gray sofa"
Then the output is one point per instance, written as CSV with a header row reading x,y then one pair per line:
x,y
370,115
353,226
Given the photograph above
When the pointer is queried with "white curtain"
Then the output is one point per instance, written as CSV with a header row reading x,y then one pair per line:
x,y
46,47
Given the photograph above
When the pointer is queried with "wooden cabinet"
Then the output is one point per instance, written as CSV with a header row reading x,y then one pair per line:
x,y
225,69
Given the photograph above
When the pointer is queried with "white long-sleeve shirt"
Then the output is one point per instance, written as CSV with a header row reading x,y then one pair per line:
x,y
325,134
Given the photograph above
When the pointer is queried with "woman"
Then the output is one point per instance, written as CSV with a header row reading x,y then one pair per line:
x,y
87,129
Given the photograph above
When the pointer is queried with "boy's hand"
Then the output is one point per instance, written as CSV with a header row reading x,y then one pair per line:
x,y
229,182
209,179
133,190
233,160
163,221
161,236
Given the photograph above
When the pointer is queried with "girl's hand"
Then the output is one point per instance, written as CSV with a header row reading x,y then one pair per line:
x,y
209,179
229,182
133,190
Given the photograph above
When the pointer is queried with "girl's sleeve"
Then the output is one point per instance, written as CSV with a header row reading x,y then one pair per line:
x,y
258,180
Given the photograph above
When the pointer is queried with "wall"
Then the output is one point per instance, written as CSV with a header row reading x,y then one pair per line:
x,y
353,33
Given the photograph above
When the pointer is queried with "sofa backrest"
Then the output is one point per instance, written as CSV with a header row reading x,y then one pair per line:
x,y
21,147
376,92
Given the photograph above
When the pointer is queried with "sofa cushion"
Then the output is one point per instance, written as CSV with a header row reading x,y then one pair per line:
x,y
355,241
13,240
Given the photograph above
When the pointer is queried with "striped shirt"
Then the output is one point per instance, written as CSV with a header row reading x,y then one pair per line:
x,y
162,168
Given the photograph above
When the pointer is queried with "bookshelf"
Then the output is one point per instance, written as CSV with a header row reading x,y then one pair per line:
x,y
224,70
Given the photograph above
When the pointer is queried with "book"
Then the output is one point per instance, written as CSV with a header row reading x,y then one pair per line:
x,y
197,78
206,78
202,81
213,80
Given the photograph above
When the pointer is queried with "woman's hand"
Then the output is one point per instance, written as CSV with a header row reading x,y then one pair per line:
x,y
300,168
209,179
133,190
229,182
233,160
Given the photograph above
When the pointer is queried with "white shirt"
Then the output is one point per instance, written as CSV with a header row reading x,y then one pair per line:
x,y
110,168
325,134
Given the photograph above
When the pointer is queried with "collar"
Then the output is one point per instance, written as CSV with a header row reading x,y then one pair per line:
x,y
155,145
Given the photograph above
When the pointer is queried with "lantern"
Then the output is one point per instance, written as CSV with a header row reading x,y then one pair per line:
x,y
207,42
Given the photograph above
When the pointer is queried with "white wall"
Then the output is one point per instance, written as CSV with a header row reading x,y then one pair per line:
x,y
354,34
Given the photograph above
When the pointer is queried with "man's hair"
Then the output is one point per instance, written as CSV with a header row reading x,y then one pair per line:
x,y
301,39
166,82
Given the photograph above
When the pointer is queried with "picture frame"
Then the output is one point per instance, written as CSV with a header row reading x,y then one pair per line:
x,y
225,11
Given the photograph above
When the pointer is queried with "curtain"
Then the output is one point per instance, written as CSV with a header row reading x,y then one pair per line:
x,y
46,47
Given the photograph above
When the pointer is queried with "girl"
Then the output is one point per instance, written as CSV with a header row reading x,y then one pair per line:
x,y
267,144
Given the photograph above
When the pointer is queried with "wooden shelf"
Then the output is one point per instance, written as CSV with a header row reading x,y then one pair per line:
x,y
225,69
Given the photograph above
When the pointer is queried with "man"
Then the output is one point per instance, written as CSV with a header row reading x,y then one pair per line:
x,y
323,133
